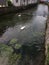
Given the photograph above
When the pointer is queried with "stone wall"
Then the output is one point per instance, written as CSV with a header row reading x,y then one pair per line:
x,y
5,10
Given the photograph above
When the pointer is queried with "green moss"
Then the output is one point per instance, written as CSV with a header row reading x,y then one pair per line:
x,y
5,50
13,58
13,41
15,44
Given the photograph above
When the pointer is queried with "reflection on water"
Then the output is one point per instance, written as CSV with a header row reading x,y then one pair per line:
x,y
27,30
44,11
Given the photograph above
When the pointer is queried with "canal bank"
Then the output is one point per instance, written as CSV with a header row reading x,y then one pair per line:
x,y
47,43
7,10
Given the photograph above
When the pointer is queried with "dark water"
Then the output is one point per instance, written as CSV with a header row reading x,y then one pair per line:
x,y
27,28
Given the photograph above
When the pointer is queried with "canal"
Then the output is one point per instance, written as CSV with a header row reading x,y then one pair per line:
x,y
27,28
